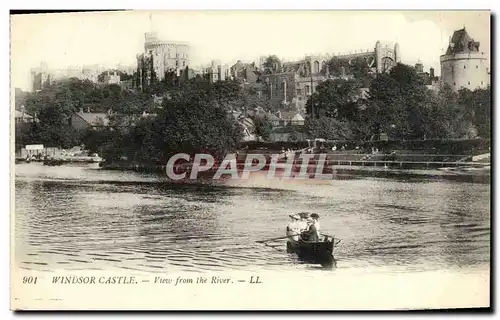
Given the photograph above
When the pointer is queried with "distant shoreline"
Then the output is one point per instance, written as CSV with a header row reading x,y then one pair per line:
x,y
340,171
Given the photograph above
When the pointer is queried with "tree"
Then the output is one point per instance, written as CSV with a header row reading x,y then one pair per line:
x,y
476,109
328,128
294,134
357,67
263,127
193,121
334,66
399,104
272,64
335,99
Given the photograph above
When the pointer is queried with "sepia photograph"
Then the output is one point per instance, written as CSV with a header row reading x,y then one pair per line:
x,y
250,160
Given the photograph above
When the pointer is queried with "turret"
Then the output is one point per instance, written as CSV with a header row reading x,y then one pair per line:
x,y
397,53
378,56
419,67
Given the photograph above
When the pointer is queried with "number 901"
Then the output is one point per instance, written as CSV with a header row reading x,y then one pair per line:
x,y
29,280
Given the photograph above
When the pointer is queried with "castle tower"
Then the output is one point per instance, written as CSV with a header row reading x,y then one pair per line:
x,y
167,56
397,53
419,67
431,73
378,56
463,65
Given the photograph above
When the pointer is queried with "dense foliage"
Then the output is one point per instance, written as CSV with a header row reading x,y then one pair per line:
x,y
196,115
263,127
193,117
400,105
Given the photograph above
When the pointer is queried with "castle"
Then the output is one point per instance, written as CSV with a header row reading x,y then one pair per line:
x,y
297,80
161,57
463,65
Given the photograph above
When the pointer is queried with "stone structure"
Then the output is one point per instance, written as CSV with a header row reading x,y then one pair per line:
x,y
463,65
299,79
216,71
93,120
21,116
40,77
111,77
43,76
247,72
429,78
161,57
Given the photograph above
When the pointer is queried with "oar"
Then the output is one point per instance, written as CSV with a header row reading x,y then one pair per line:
x,y
339,240
262,241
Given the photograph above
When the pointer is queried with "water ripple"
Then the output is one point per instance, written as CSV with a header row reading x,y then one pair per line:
x,y
82,218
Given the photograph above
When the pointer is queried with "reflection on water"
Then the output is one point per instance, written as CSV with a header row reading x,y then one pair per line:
x,y
85,218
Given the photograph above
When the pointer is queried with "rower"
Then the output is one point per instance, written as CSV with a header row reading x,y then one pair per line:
x,y
310,234
315,217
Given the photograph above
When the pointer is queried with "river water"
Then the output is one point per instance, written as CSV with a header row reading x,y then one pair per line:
x,y
84,218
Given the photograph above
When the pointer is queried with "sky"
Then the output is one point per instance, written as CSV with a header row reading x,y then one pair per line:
x,y
109,38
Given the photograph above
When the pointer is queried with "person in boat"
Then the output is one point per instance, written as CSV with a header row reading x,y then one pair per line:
x,y
315,218
293,228
302,223
311,233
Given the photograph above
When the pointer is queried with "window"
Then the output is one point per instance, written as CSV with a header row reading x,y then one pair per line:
x,y
183,63
468,83
481,83
299,92
464,67
307,90
454,84
477,66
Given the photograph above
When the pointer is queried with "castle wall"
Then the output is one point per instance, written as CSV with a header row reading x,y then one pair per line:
x,y
465,70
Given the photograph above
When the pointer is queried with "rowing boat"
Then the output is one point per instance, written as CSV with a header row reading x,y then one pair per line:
x,y
313,252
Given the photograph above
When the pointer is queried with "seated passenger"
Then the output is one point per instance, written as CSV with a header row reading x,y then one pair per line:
x,y
293,228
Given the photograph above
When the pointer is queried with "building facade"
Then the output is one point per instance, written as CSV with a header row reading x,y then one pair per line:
x,y
429,79
42,76
463,65
299,79
216,71
246,72
111,77
21,116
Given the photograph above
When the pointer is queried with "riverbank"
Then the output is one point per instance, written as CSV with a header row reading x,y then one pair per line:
x,y
479,172
61,160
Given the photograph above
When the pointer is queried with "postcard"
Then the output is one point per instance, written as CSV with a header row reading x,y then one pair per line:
x,y
250,160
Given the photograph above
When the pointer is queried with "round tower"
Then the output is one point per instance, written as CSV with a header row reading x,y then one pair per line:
x,y
463,65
